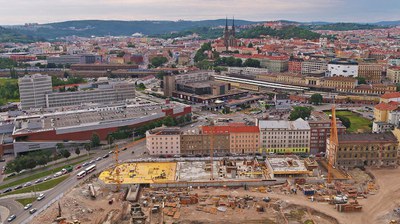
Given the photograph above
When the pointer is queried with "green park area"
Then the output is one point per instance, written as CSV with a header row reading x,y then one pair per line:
x,y
358,123
8,90
25,201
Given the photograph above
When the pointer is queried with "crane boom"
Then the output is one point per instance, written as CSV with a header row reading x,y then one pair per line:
x,y
333,144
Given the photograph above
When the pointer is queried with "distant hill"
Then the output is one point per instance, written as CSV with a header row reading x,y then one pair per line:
x,y
87,28
8,35
342,26
388,23
286,32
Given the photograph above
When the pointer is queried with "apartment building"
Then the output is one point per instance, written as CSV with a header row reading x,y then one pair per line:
x,y
163,141
382,110
284,136
294,65
33,90
393,74
243,139
372,72
320,130
314,66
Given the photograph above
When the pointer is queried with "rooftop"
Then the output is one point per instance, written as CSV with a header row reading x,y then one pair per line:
x,y
230,129
368,138
390,95
387,106
287,165
298,124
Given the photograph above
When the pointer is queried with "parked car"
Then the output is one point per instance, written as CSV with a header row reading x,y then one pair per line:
x,y
38,181
78,167
33,210
27,184
58,174
22,171
28,206
18,187
92,161
106,155
7,190
85,164
11,218
98,158
267,199
2,160
48,178
41,197
124,149
110,152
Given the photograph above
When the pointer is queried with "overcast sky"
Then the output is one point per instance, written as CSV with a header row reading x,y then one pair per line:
x,y
44,11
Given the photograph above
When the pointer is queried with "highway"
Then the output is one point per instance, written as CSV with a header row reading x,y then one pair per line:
x,y
23,216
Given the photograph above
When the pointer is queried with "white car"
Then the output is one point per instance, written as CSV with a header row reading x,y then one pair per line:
x,y
41,196
27,184
28,206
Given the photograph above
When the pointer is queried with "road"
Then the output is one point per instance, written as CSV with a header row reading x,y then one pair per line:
x,y
23,216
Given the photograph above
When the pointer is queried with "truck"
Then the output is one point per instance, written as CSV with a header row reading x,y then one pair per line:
x,y
67,169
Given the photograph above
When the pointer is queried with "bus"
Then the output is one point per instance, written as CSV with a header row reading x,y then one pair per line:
x,y
90,169
81,174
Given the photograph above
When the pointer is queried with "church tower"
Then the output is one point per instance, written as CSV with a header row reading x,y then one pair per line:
x,y
229,35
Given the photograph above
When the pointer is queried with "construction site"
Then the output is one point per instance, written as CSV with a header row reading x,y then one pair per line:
x,y
274,189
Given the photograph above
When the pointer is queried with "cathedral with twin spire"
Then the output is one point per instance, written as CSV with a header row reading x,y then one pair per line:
x,y
229,35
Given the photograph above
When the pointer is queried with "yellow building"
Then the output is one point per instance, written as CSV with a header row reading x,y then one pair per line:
x,y
382,110
393,74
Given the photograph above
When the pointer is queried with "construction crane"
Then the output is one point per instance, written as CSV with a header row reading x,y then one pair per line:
x,y
116,177
333,144
211,134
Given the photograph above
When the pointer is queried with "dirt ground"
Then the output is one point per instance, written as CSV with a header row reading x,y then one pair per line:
x,y
284,208
78,205
277,211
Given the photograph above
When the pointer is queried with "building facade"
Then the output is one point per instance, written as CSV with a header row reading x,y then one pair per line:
x,y
372,72
320,131
314,66
163,141
370,149
105,94
243,139
342,68
284,136
33,90
393,73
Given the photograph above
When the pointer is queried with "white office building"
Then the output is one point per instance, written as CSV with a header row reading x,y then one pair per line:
x,y
104,94
285,136
33,90
342,68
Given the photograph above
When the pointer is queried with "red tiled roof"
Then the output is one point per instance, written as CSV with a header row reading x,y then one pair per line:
x,y
387,106
230,129
391,95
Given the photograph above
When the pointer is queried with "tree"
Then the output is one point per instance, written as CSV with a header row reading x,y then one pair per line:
x,y
95,140
87,147
110,139
60,146
316,99
141,86
300,112
361,80
345,121
158,61
77,151
252,63
65,153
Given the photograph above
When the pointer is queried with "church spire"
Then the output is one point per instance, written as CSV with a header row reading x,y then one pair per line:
x,y
226,23
233,26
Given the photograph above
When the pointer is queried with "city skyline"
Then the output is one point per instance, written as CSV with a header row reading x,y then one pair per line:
x,y
42,11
